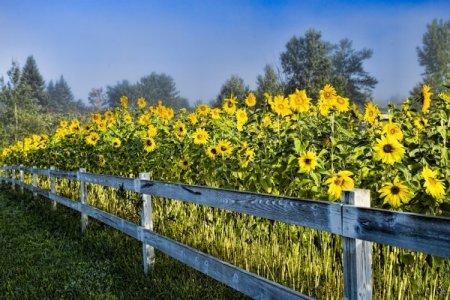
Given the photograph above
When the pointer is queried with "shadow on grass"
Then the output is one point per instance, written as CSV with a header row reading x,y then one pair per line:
x,y
44,255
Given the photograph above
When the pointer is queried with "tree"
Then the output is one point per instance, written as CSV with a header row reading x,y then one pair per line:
x,y
233,86
60,96
156,87
306,63
434,55
33,78
97,98
348,74
123,88
268,83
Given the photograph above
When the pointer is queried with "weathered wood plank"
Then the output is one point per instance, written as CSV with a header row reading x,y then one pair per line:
x,y
83,200
315,214
111,181
406,230
65,201
357,255
34,181
37,171
148,252
52,186
241,280
21,178
63,174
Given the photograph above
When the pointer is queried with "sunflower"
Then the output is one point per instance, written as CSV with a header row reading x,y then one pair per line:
x,y
299,101
433,185
393,130
102,126
152,131
266,121
420,123
248,157
241,118
92,138
141,103
328,95
280,105
250,100
200,136
124,101
116,142
388,150
445,96
149,145
193,118
324,107
202,110
127,118
371,113
395,193
74,126
339,182
96,118
225,148
229,105
179,129
212,152
307,162
341,104
183,164
215,113
101,160
426,97
109,116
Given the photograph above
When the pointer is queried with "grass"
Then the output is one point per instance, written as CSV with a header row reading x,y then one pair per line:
x,y
44,255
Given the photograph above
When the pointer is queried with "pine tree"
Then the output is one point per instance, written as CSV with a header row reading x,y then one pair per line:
x,y
33,78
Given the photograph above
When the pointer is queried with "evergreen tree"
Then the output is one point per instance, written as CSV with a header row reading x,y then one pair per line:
x,y
434,55
306,63
348,74
60,96
33,78
268,83
235,86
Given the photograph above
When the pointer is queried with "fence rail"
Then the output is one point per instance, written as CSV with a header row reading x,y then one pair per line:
x,y
358,225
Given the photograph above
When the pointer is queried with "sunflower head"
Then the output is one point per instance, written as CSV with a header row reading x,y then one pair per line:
x,y
393,130
229,105
179,130
224,148
184,164
200,136
116,142
388,150
152,131
299,101
250,100
212,152
141,103
426,98
371,113
92,139
202,109
307,161
149,145
341,104
395,193
339,182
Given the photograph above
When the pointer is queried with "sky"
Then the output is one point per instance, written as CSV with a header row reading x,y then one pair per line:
x,y
202,43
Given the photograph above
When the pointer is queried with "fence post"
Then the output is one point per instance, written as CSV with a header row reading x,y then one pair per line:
x,y
357,261
34,181
148,252
83,200
13,177
52,185
21,178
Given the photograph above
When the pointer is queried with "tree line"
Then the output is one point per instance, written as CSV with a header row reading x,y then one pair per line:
x,y
28,104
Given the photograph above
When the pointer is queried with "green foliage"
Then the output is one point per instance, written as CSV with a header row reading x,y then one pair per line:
x,y
235,86
309,63
268,83
44,256
153,88
32,78
434,56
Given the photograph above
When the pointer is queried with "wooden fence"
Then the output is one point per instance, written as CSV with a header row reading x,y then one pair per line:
x,y
352,218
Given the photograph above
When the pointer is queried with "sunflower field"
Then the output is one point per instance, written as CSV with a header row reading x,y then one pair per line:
x,y
284,145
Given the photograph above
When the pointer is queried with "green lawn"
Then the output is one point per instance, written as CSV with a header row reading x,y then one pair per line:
x,y
44,255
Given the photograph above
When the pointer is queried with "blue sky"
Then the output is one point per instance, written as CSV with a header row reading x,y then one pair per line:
x,y
201,43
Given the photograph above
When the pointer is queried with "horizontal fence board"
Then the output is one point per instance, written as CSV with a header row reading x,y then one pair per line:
x,y
65,201
406,230
241,280
319,215
111,181
63,174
